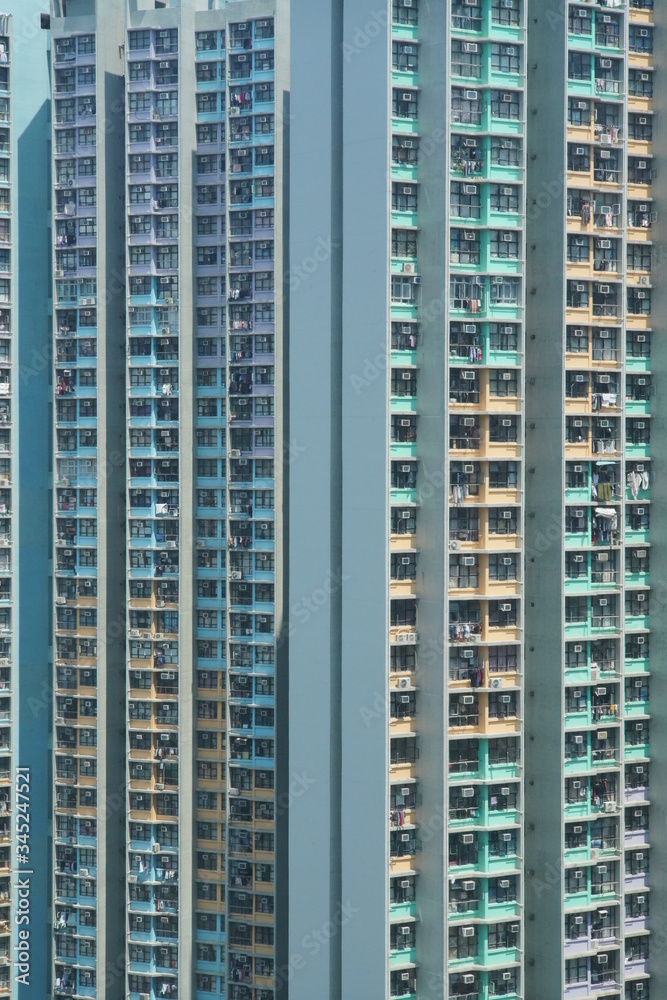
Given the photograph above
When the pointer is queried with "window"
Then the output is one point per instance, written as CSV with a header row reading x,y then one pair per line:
x,y
264,250
140,255
403,612
579,21
503,751
139,102
637,905
503,475
87,197
506,58
462,945
637,560
265,312
639,257
641,38
464,246
502,567
207,317
503,659
506,104
506,152
640,127
503,614
637,518
502,936
503,198
639,301
167,41
576,969
637,431
505,291
138,40
640,171
502,843
140,194
207,134
87,137
461,574
466,59
640,83
465,202
636,862
503,382
404,150
404,103
139,71
502,892
404,57
403,243
577,294
466,106
503,521
578,248
578,112
403,13
403,382
404,198
507,12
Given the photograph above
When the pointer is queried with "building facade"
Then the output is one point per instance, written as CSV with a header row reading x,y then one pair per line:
x,y
166,141
352,379
425,685
592,389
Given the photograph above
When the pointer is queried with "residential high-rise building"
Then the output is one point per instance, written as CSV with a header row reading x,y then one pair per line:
x,y
415,472
167,152
594,366
25,536
325,482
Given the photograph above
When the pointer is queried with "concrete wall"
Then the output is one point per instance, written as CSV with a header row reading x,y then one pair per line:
x,y
544,459
338,500
31,377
